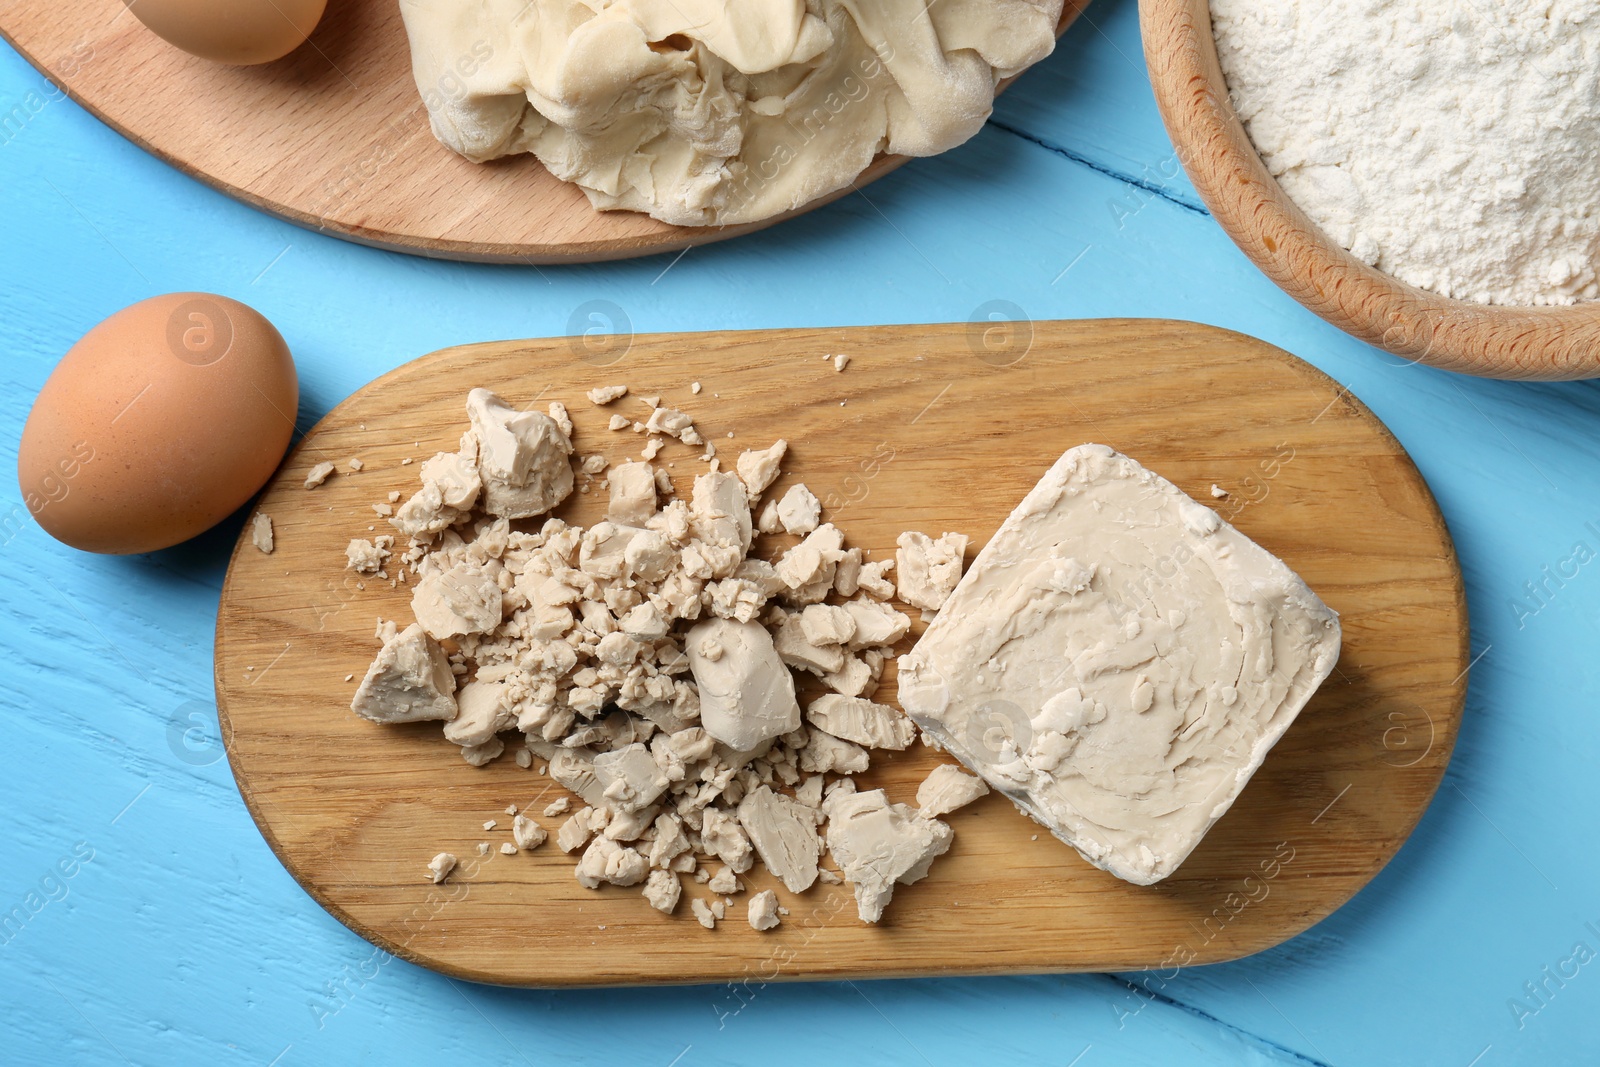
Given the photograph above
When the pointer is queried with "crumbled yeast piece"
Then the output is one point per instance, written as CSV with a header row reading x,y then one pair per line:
x,y
483,713
558,415
799,510
840,362
807,569
607,861
758,468
466,599
746,693
508,849
1217,492
858,675
450,488
619,422
809,792
767,522
929,568
527,833
871,580
825,753
879,845
559,806
702,913
662,889
827,624
876,624
784,834
672,423
605,394
629,778
633,494
522,458
368,557
356,464
725,883
947,788
261,533
409,681
670,841
862,721
726,839
319,474
576,831
488,752
795,649
762,910
440,866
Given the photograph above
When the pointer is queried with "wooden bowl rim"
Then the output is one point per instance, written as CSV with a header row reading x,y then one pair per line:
x,y
1549,343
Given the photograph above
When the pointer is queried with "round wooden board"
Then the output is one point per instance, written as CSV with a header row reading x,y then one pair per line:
x,y
334,138
932,428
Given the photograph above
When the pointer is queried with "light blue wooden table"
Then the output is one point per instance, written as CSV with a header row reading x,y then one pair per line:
x,y
178,939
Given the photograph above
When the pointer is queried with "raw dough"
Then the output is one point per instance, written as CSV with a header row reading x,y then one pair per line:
x,y
703,113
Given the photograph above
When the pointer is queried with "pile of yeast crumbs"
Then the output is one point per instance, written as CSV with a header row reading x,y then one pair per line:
x,y
648,661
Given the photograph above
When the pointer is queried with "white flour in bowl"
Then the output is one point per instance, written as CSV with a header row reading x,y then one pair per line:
x,y
1454,144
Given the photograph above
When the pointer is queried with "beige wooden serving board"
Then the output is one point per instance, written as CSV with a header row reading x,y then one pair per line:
x,y
334,138
928,429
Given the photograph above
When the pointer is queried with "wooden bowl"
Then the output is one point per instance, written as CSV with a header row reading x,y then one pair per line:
x,y
1543,343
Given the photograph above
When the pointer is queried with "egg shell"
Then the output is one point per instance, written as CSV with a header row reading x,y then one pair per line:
x,y
232,31
157,425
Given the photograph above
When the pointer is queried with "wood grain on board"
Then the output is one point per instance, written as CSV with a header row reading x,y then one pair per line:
x,y
1543,343
334,137
932,428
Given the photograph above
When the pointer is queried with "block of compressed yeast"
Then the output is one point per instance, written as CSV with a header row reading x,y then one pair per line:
x,y
1118,661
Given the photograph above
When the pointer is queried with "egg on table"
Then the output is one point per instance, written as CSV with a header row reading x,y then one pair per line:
x,y
157,425
231,31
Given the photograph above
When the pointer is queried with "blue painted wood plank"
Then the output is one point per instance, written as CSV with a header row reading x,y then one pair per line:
x,y
180,939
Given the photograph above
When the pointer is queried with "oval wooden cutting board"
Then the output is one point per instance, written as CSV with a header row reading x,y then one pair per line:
x,y
334,138
932,428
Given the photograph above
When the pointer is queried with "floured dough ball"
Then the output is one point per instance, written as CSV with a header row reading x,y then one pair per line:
x,y
704,113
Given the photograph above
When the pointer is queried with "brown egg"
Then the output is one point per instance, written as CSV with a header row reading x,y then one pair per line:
x,y
232,31
157,425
